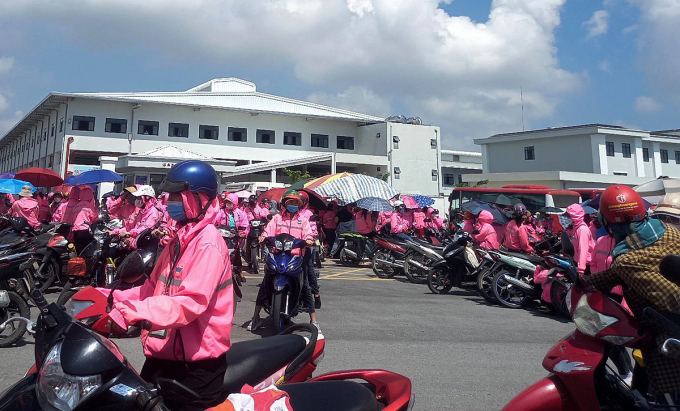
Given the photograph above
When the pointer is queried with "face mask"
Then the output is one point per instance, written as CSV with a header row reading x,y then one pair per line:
x,y
292,209
176,211
57,200
229,206
139,203
401,211
130,200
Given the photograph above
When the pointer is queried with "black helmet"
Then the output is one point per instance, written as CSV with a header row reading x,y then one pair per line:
x,y
252,199
193,175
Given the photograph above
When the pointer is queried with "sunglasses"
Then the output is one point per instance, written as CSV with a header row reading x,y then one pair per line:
x,y
669,219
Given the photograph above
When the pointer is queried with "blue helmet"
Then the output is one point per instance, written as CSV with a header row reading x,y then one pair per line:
x,y
193,175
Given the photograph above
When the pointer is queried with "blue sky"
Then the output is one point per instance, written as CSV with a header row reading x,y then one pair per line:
x,y
578,61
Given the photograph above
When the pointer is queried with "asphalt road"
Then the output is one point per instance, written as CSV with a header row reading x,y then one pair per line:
x,y
459,352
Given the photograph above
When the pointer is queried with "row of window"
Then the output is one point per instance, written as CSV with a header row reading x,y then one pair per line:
x,y
450,179
207,132
625,150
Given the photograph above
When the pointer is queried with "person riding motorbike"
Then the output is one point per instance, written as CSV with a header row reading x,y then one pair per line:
x,y
124,206
44,210
641,243
26,207
146,215
235,219
469,222
399,226
288,221
516,233
186,306
581,237
80,213
309,258
484,234
252,211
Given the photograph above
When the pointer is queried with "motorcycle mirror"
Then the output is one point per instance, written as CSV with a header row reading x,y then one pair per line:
x,y
132,268
567,245
670,268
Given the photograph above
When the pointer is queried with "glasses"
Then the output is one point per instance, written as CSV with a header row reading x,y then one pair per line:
x,y
669,219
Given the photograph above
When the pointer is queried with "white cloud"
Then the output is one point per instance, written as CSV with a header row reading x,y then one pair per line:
x,y
462,75
6,64
354,98
604,66
598,24
4,103
8,122
645,104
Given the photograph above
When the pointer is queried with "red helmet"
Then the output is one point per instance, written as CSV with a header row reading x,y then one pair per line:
x,y
621,204
305,197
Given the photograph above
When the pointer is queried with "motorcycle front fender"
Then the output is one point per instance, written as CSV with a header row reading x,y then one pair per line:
x,y
440,264
548,394
280,282
21,396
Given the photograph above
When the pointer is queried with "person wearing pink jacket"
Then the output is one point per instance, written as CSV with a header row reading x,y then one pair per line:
x,y
79,213
6,201
147,215
469,222
44,211
186,306
399,225
486,235
580,237
384,218
517,233
27,207
288,221
124,206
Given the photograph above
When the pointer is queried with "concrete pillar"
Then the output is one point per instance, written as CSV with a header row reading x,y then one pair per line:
x,y
657,160
107,163
333,164
639,161
599,153
485,159
273,176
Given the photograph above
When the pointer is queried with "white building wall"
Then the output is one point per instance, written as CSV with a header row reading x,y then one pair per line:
x,y
649,164
618,163
416,158
672,168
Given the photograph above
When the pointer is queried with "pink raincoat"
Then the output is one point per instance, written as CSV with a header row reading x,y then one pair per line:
x,y
189,302
383,218
240,217
328,220
487,235
365,224
419,219
469,225
28,208
256,212
79,210
44,211
58,214
517,237
285,223
602,260
398,223
120,208
307,213
147,217
581,237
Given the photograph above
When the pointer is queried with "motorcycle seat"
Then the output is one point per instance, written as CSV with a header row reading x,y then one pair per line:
x,y
9,243
250,362
43,239
436,248
330,396
531,258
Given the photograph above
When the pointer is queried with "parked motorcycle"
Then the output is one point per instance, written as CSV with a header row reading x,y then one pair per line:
x,y
15,284
254,251
353,249
460,264
505,262
388,258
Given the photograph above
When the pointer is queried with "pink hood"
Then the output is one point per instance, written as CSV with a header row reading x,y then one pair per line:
x,y
577,214
27,207
485,217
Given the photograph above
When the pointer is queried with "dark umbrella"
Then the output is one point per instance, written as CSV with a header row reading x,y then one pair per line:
x,y
273,194
95,177
315,200
476,207
5,176
500,199
595,203
40,177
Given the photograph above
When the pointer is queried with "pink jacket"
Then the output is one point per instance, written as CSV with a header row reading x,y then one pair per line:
x,y
408,216
602,254
517,238
581,237
487,235
79,210
328,220
44,211
285,223
419,219
58,214
383,218
398,223
307,213
28,208
147,218
365,224
593,230
256,212
240,219
469,225
121,209
191,300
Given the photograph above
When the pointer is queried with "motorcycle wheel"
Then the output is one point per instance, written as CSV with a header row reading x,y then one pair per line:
x,y
438,280
17,307
485,285
45,278
255,260
558,295
346,260
278,318
381,270
507,294
66,293
415,274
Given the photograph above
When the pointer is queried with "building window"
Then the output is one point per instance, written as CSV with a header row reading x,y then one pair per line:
x,y
677,157
625,149
155,180
529,153
208,132
610,148
664,156
397,173
395,142
82,123
449,179
147,128
345,143
435,175
291,138
178,130
116,125
320,140
265,137
620,173
52,132
61,125
238,134
645,154
45,135
433,143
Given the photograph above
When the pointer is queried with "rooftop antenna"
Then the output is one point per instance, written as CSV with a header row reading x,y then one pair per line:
x,y
521,97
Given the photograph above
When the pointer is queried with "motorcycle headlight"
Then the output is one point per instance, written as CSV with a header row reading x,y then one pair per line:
x,y
75,307
255,223
58,390
287,246
589,321
278,245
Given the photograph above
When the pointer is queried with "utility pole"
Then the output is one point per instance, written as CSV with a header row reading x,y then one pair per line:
x,y
521,98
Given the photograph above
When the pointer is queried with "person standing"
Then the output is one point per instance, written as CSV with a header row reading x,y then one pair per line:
x,y
329,222
309,258
581,237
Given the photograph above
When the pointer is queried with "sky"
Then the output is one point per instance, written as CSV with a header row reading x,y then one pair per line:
x,y
473,67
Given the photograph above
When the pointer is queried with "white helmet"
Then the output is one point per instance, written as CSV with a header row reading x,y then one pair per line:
x,y
397,203
145,191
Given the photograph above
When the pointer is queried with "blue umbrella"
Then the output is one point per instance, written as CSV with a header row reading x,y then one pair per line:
x,y
68,180
476,207
595,203
12,186
374,204
423,201
588,209
95,177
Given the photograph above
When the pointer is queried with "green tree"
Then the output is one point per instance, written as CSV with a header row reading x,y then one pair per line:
x,y
295,175
383,176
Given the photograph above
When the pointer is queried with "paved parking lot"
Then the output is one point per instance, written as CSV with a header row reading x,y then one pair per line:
x,y
460,352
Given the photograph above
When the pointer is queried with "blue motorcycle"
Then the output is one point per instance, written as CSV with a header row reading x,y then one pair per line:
x,y
283,279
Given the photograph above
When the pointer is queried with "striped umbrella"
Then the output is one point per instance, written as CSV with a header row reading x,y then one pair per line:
x,y
315,182
374,204
354,187
423,201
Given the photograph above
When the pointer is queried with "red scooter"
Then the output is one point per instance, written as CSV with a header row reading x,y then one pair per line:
x,y
581,379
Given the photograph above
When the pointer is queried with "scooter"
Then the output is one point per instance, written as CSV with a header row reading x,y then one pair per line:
x,y
460,264
283,279
254,252
354,249
388,258
421,256
580,377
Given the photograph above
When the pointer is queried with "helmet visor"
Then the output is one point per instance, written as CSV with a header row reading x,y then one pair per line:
x,y
173,187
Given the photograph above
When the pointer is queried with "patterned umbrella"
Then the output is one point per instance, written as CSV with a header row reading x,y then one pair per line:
x,y
423,201
12,186
313,183
409,202
354,187
374,204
